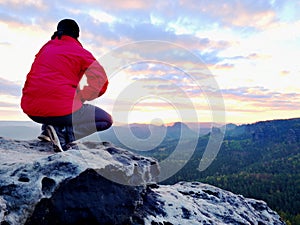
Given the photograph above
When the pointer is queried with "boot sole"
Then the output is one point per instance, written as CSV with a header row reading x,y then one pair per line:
x,y
44,138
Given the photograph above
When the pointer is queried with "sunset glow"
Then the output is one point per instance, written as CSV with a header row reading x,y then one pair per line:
x,y
250,49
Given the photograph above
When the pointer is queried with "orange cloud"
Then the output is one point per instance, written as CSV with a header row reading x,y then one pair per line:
x,y
224,66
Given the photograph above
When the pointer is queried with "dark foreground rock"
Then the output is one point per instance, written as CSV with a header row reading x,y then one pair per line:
x,y
102,184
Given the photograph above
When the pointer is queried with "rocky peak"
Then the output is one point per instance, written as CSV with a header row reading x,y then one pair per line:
x,y
102,184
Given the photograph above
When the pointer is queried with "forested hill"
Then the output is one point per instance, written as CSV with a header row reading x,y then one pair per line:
x,y
260,160
267,131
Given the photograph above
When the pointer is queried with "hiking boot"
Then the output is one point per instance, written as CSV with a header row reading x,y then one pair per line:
x,y
71,146
44,135
70,137
44,138
54,137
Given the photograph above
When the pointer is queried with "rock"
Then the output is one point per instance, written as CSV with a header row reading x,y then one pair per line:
x,y
102,184
198,203
99,184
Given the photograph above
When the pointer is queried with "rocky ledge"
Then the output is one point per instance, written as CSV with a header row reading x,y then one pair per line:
x,y
102,184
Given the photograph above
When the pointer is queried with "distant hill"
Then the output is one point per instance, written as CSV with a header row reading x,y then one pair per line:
x,y
29,130
19,130
267,131
135,135
259,160
178,129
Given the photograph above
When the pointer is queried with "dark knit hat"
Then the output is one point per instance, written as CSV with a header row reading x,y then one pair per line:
x,y
66,27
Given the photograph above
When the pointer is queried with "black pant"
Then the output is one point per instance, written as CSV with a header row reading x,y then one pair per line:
x,y
87,120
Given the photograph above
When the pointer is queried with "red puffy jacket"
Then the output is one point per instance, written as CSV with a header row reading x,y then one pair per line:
x,y
51,87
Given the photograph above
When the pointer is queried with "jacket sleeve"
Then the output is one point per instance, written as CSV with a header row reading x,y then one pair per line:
x,y
97,82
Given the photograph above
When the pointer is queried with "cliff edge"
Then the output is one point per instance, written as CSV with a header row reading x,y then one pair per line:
x,y
103,184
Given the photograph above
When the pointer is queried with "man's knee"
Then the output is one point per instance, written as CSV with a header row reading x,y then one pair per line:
x,y
109,123
103,125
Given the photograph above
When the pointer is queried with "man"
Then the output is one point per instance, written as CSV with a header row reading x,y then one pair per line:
x,y
52,96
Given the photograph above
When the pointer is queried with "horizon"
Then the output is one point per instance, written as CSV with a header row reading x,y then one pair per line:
x,y
209,61
30,130
164,124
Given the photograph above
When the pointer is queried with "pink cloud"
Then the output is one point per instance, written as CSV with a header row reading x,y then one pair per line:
x,y
259,99
237,13
119,5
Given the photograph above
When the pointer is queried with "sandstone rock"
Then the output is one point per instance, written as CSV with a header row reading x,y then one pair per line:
x,y
102,184
99,184
198,203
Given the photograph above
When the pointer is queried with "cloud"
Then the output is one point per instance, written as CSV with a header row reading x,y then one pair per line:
x,y
260,99
257,56
233,13
16,12
9,88
17,4
117,5
8,105
108,24
229,37
285,72
216,62
5,43
130,16
248,93
224,66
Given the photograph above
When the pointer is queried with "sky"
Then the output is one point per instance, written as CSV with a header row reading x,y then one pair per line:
x,y
231,61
